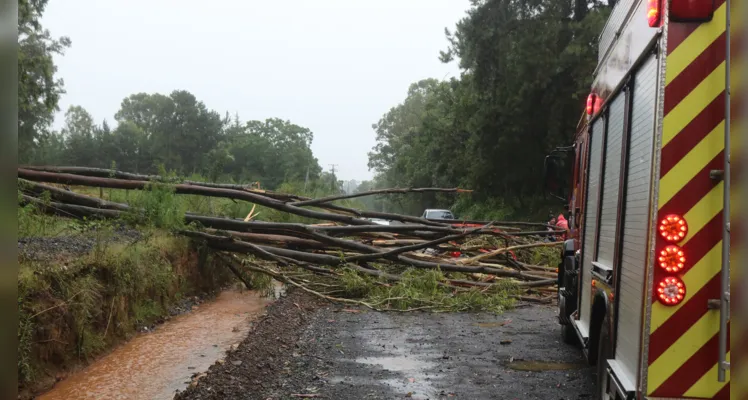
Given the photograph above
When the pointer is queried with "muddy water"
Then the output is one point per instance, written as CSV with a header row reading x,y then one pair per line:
x,y
156,364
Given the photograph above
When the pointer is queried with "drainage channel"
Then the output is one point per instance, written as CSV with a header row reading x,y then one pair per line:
x,y
157,364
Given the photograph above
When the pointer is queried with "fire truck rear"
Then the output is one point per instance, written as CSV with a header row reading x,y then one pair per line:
x,y
644,283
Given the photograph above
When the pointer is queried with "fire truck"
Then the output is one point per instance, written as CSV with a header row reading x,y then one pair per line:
x,y
644,284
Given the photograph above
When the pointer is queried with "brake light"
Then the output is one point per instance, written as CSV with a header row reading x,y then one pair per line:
x,y
653,13
672,259
673,228
591,103
598,104
691,10
671,291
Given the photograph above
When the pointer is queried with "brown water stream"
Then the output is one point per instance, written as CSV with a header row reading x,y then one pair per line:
x,y
154,365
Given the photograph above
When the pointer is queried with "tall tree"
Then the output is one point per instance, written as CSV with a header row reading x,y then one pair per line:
x,y
39,90
526,68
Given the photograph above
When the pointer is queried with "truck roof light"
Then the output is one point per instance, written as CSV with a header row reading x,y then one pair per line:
x,y
672,259
653,13
591,98
673,228
691,10
671,291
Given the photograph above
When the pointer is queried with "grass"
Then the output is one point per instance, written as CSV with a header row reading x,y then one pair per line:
x,y
71,310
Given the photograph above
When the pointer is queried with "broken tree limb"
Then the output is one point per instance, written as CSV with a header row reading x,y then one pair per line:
x,y
419,246
328,199
97,172
507,249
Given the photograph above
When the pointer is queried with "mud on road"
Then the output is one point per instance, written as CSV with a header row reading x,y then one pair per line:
x,y
304,347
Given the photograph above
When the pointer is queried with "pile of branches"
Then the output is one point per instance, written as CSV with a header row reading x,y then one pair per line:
x,y
324,258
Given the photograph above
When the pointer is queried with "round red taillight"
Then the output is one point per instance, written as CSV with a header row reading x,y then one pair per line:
x,y
671,291
598,104
673,228
591,98
672,259
653,13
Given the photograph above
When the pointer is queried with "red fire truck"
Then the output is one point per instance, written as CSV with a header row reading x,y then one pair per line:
x,y
644,281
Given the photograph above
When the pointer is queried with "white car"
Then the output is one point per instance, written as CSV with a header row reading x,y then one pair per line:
x,y
437,214
379,221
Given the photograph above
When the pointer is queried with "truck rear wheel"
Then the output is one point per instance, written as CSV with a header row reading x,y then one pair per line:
x,y
604,352
569,335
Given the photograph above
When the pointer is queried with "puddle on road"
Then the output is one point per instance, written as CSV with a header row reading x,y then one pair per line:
x,y
492,324
540,366
155,365
399,364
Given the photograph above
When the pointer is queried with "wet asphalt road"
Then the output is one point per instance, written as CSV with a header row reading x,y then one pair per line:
x,y
346,355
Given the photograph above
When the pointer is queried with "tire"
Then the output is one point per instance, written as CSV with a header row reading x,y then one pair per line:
x,y
604,352
569,335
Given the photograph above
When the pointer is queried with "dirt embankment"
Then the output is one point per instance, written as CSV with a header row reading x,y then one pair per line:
x,y
83,293
307,349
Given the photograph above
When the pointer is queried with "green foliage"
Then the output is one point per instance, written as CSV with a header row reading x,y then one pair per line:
x,y
176,130
527,66
73,309
39,90
421,288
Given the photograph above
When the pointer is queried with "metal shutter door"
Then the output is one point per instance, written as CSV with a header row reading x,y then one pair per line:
x,y
611,182
590,223
636,219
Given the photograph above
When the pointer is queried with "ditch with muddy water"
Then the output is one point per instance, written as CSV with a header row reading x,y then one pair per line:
x,y
156,364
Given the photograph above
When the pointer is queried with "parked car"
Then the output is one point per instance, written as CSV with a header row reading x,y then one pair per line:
x,y
379,221
431,213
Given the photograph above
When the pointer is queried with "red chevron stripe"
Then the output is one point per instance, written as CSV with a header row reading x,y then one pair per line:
x,y
679,31
723,394
684,319
692,134
696,72
692,370
698,187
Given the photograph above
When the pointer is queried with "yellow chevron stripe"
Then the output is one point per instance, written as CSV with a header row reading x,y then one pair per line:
x,y
695,44
684,348
696,278
708,386
693,104
691,164
703,212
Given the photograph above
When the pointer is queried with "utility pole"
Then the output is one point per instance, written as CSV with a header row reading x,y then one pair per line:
x,y
306,179
334,179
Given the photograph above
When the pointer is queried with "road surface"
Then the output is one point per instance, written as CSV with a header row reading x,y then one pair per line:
x,y
319,350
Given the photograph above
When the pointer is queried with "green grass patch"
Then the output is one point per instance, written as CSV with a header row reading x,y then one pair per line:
x,y
421,289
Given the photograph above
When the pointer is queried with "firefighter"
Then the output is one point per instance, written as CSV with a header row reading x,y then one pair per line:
x,y
562,224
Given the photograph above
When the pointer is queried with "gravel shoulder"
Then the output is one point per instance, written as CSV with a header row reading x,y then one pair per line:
x,y
304,347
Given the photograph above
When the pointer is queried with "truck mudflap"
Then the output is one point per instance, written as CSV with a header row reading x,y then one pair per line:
x,y
617,381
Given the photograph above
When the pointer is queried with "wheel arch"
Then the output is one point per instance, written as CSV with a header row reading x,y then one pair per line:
x,y
600,308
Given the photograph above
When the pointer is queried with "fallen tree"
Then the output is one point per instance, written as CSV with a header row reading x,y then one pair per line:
x,y
346,257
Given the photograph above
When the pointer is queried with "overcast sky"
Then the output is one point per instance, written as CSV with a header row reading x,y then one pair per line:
x,y
334,66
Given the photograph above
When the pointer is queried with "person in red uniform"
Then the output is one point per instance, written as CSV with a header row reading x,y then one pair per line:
x,y
562,223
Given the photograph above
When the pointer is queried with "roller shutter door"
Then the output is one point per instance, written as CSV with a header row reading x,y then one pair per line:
x,y
636,219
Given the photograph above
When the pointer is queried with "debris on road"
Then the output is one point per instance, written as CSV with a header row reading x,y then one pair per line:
x,y
420,264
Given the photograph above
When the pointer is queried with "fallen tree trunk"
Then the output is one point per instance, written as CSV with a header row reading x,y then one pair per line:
x,y
328,199
69,179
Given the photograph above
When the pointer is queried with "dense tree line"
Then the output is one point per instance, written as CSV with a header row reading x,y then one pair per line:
x,y
526,70
176,132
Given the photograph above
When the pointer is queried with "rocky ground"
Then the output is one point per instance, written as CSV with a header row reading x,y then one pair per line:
x,y
71,245
307,349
